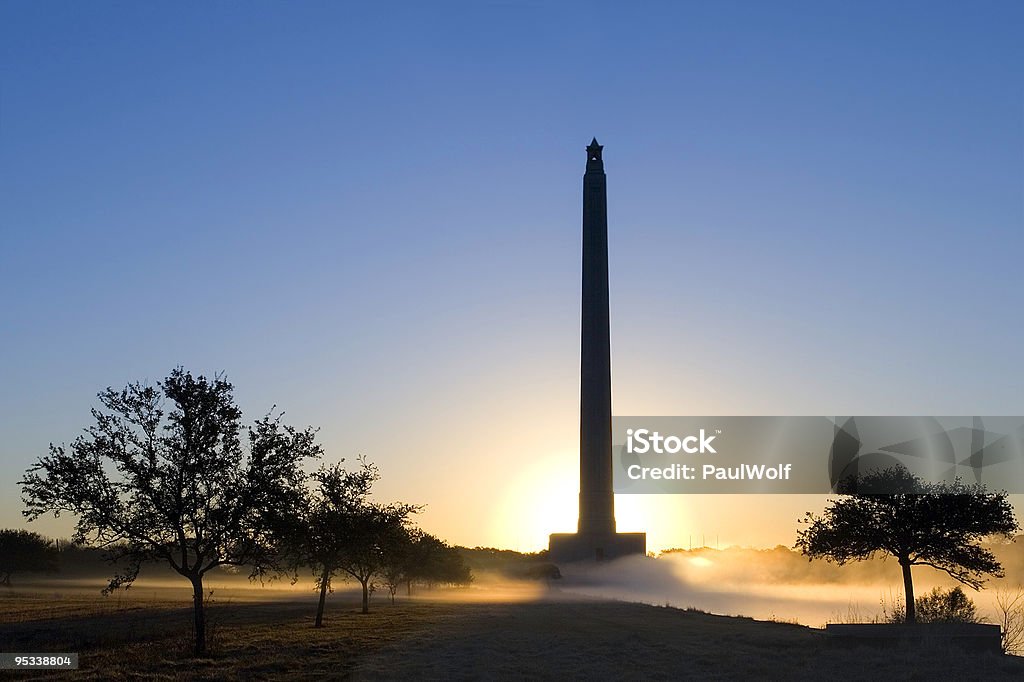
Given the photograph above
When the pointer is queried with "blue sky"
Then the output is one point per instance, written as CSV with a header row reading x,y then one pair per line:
x,y
369,215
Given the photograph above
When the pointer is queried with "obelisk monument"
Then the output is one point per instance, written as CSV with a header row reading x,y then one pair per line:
x,y
595,538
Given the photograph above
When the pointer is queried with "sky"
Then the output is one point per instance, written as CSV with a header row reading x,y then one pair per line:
x,y
368,215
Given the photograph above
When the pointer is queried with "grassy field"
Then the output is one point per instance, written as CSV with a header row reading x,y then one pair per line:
x,y
147,637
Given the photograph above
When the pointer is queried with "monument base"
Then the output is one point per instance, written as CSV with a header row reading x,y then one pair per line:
x,y
974,637
571,547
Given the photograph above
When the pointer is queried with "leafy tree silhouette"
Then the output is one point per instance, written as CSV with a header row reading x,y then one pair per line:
x,y
338,530
400,560
317,537
420,556
370,530
23,551
946,606
893,512
177,486
437,562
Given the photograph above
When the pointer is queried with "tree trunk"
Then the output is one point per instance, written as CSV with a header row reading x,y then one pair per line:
x,y
199,615
908,588
408,588
366,595
325,578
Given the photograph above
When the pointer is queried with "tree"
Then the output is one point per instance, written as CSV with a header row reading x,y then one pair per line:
x,y
416,555
23,551
419,556
369,529
399,560
438,563
453,569
317,538
893,512
340,531
177,486
1010,617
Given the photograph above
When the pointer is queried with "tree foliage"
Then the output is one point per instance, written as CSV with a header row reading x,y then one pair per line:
x,y
23,551
371,529
162,475
438,563
316,536
946,606
400,559
339,531
417,556
893,512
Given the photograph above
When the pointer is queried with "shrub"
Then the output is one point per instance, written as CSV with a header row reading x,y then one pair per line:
x,y
940,606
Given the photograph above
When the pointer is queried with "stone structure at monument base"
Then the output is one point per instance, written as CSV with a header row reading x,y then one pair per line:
x,y
570,547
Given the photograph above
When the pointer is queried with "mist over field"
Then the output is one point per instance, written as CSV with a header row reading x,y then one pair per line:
x,y
765,584
773,584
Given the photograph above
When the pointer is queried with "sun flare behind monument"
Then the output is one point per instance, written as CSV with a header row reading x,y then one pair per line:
x,y
596,537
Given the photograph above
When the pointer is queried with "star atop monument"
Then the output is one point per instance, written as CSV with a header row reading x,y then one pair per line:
x,y
594,150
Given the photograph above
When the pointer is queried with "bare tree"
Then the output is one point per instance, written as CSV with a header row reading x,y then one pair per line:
x,y
1010,618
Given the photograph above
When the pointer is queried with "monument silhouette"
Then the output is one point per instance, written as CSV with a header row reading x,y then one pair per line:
x,y
595,538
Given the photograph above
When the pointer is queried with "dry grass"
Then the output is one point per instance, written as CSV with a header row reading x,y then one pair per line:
x,y
543,639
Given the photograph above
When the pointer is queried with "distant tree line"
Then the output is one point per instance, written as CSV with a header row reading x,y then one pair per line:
x,y
167,474
23,551
510,564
